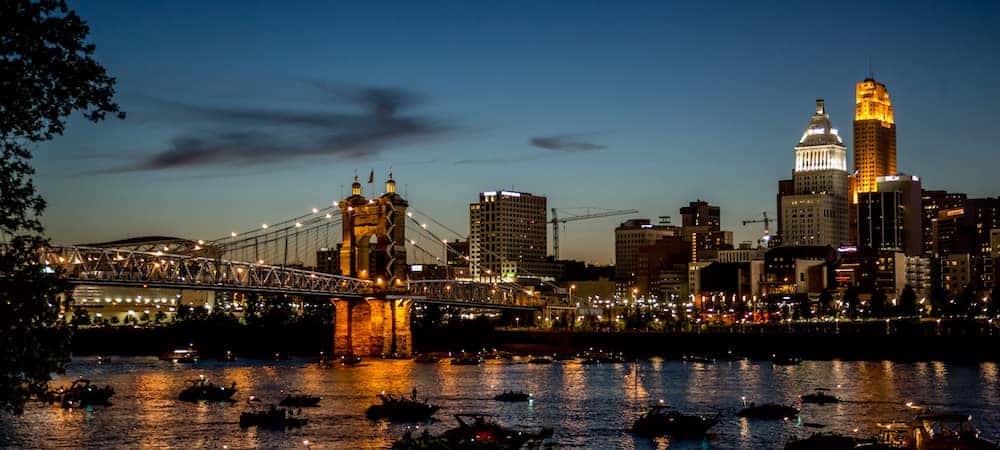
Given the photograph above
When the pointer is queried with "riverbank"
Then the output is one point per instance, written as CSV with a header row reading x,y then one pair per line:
x,y
949,340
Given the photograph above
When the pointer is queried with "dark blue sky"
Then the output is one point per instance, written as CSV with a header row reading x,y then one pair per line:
x,y
247,112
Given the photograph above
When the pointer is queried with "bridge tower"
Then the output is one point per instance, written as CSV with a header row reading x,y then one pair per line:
x,y
374,248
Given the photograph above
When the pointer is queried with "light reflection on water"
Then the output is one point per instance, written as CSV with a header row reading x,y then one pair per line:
x,y
589,406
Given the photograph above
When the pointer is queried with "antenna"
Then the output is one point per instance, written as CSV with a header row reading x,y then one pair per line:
x,y
870,73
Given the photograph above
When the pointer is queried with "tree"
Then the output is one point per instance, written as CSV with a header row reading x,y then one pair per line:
x,y
908,301
827,305
851,300
46,73
879,304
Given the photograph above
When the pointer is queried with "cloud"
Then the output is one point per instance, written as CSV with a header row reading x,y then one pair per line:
x,y
497,160
249,136
565,143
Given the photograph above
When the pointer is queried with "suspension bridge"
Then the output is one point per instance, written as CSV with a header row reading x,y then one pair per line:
x,y
361,242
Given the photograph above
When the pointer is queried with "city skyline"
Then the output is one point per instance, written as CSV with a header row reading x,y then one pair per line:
x,y
653,136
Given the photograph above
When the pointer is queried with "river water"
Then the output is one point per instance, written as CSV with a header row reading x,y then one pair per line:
x,y
589,406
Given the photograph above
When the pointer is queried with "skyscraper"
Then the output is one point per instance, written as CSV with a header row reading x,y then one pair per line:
x,y
908,187
817,213
630,236
874,136
507,236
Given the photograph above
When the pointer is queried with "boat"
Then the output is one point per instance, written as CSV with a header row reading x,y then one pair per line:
x,y
768,411
81,394
482,432
298,399
467,360
270,417
698,359
426,358
785,360
932,431
103,360
201,389
350,360
181,355
661,420
540,360
401,409
512,396
600,357
228,356
564,357
819,397
828,441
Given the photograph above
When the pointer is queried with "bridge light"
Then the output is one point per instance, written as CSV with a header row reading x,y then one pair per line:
x,y
328,215
263,225
201,242
298,224
335,203
424,225
315,210
409,214
233,234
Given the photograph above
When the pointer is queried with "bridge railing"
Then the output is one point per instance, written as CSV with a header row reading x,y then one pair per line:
x,y
471,292
157,269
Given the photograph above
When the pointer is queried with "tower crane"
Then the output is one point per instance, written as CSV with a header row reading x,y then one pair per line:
x,y
767,226
556,220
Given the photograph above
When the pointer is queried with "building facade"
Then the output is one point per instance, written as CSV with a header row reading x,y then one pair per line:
x,y
911,221
874,135
817,214
630,236
507,236
880,221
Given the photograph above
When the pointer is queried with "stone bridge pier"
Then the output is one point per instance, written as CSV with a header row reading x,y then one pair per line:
x,y
372,327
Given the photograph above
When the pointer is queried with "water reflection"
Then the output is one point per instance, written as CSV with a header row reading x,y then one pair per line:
x,y
590,406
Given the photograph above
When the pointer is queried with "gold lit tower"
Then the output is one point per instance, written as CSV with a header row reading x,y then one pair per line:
x,y
874,136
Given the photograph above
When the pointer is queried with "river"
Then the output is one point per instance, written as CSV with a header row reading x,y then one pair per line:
x,y
589,406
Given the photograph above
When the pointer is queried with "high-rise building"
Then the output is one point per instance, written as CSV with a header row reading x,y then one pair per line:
x,y
817,213
874,135
701,214
785,187
911,221
630,236
880,221
507,236
932,203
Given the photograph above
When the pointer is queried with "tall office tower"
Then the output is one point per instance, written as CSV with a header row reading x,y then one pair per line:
x,y
932,203
874,135
785,187
507,236
817,213
630,236
701,214
880,221
910,197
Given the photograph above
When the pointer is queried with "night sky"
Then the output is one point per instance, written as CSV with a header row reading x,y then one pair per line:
x,y
248,112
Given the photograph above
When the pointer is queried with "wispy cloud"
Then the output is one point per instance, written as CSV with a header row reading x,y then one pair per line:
x,y
250,137
496,160
565,143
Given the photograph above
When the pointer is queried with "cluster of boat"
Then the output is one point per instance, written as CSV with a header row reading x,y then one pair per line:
x,y
927,431
474,430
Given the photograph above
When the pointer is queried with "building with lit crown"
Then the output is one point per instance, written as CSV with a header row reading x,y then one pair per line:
x,y
817,213
874,135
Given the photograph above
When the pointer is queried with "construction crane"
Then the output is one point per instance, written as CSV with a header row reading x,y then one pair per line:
x,y
767,227
596,215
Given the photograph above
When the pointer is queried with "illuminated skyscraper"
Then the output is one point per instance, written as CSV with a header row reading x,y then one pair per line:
x,y
507,236
817,213
874,136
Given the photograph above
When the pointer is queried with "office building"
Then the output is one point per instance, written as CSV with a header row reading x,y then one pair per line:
x,y
630,236
507,236
880,221
817,214
908,187
931,204
874,135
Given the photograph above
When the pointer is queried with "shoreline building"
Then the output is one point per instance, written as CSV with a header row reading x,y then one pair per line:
x,y
507,236
631,236
817,213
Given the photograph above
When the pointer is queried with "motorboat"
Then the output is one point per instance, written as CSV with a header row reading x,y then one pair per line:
x,y
350,360
181,355
426,358
81,394
201,389
828,441
933,431
298,399
694,358
820,396
467,360
785,360
483,432
271,416
661,420
512,396
540,360
401,409
767,411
